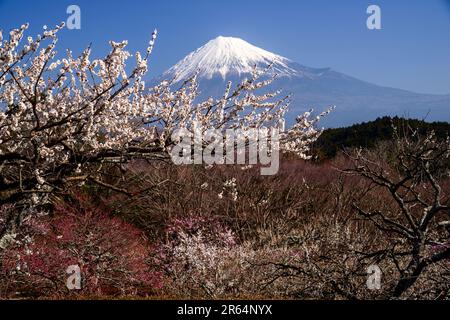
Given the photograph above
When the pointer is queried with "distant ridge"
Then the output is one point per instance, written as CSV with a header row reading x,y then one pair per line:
x,y
368,134
230,58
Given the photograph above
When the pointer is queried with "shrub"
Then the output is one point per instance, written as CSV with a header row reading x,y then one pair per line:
x,y
111,254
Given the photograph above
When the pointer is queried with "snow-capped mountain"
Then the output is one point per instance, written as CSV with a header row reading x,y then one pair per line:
x,y
231,59
226,57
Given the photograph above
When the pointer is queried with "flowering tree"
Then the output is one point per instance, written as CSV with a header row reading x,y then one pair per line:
x,y
66,121
111,254
417,228
201,258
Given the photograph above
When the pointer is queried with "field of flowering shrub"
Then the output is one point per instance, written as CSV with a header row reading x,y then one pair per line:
x,y
296,235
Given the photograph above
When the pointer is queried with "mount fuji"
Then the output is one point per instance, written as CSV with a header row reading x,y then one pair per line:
x,y
232,59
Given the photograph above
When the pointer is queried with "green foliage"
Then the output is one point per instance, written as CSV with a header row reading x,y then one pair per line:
x,y
369,134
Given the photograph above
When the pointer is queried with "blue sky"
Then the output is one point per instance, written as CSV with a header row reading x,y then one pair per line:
x,y
412,51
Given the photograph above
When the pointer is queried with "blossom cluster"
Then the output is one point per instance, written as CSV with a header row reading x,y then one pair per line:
x,y
57,111
62,115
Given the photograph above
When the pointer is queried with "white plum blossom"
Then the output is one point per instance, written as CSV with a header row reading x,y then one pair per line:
x,y
230,188
204,186
61,115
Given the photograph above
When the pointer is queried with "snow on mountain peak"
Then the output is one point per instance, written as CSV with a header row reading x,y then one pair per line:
x,y
225,56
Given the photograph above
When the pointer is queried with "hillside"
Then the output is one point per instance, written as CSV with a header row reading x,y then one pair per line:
x,y
368,134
